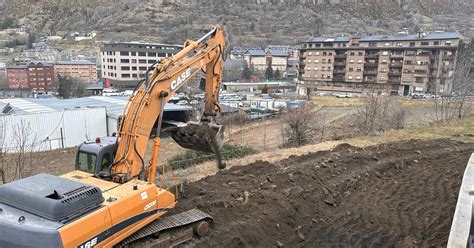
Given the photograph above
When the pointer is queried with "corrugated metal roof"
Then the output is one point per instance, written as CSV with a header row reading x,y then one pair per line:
x,y
278,52
256,52
396,37
114,105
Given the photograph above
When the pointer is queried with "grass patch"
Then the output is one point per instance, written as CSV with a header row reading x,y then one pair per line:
x,y
192,157
461,130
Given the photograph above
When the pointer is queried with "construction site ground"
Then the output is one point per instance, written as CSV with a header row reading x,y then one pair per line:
x,y
400,194
398,189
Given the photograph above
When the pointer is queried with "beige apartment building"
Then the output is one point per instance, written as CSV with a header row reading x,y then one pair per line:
x,y
83,71
124,64
399,64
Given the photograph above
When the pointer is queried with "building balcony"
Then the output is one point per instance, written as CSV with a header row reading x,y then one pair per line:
x,y
397,55
339,63
371,56
394,81
341,56
368,64
395,73
396,65
339,71
370,73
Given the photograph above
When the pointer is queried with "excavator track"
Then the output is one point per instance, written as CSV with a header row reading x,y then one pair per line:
x,y
174,224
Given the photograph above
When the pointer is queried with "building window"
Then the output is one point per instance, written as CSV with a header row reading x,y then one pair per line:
x,y
372,44
309,53
316,68
352,53
359,61
425,43
349,77
142,68
151,61
141,53
124,53
142,61
125,68
126,75
448,43
385,53
382,78
308,68
325,53
359,69
133,53
399,44
436,43
124,61
361,53
387,44
412,44
316,61
150,54
351,69
309,60
134,68
351,61
383,70
358,77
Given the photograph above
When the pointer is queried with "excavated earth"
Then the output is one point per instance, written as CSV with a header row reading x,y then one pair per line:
x,y
392,195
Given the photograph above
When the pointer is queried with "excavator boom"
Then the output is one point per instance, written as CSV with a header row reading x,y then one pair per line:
x,y
111,198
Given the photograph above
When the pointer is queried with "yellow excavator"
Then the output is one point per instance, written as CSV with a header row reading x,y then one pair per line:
x,y
111,200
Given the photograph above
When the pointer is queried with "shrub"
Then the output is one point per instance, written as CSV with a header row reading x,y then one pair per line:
x,y
192,157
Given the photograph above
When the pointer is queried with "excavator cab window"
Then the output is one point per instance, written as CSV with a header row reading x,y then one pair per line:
x,y
86,162
106,162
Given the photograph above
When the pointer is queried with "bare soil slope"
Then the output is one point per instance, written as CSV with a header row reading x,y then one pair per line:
x,y
393,195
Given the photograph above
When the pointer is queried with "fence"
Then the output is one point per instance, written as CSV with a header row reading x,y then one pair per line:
x,y
51,130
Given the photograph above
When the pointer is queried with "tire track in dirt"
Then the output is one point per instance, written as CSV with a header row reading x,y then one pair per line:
x,y
399,194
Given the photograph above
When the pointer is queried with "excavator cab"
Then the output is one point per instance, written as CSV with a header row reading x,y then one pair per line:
x,y
96,156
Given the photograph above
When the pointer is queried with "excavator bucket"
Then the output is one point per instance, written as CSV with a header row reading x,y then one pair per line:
x,y
200,136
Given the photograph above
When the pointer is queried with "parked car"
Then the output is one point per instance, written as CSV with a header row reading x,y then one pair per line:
x,y
344,95
182,102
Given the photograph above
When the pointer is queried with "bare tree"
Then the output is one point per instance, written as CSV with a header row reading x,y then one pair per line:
x,y
379,114
456,105
24,142
3,152
300,125
463,78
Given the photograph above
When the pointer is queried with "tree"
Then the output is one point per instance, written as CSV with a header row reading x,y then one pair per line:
x,y
247,73
31,40
269,72
379,114
69,87
463,78
455,106
265,89
301,128
277,74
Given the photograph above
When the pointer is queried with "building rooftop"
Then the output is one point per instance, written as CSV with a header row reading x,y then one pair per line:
x,y
112,44
114,105
16,67
79,62
396,37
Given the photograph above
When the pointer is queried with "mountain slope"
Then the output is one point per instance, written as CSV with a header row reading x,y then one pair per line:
x,y
255,22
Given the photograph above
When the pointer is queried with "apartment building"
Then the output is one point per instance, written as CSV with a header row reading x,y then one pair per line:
x,y
83,71
398,64
17,77
36,76
125,63
260,59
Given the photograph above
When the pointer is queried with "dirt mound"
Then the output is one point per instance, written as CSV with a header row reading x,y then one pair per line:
x,y
397,194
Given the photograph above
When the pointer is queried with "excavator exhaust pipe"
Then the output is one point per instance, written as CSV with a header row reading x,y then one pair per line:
x,y
200,136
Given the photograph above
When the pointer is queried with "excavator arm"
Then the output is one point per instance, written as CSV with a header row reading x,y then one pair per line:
x,y
146,105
